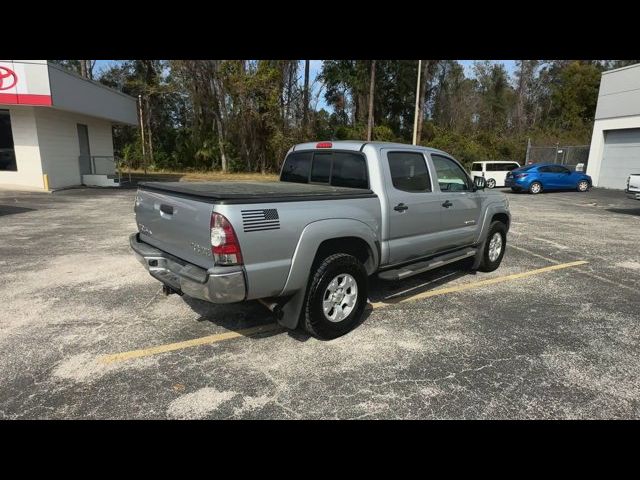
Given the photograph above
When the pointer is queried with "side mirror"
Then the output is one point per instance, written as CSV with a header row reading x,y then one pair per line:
x,y
479,183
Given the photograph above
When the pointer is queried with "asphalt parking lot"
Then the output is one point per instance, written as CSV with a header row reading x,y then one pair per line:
x,y
86,333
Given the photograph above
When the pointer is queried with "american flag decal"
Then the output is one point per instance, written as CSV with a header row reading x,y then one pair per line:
x,y
258,220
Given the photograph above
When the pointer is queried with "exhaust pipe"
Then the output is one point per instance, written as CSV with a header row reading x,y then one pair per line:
x,y
273,307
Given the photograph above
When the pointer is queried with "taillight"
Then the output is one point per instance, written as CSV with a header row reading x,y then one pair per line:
x,y
224,243
324,145
520,175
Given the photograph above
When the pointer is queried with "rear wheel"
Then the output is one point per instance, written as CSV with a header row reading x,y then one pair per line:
x,y
494,247
491,183
535,188
583,186
336,298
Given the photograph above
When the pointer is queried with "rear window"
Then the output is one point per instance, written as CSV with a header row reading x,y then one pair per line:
x,y
501,167
339,169
297,167
321,167
528,167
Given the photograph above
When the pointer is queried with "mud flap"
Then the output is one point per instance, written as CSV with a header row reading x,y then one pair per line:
x,y
292,311
478,258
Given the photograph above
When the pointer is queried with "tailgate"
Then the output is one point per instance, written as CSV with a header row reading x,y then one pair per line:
x,y
176,225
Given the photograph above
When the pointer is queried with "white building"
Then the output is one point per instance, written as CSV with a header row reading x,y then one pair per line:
x,y
615,144
56,127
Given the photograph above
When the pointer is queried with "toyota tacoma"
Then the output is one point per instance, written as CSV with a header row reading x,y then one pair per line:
x,y
305,246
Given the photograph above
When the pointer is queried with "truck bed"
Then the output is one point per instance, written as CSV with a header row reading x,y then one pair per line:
x,y
255,192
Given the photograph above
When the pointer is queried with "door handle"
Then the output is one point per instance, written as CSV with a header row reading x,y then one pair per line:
x,y
401,207
168,209
447,204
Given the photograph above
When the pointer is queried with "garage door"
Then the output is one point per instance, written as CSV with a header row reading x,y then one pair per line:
x,y
621,157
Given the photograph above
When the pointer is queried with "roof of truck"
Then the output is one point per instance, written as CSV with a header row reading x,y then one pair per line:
x,y
358,145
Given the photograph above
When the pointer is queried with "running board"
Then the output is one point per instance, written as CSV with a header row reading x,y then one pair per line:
x,y
419,267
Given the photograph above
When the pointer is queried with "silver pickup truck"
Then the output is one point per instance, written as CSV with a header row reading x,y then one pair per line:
x,y
306,245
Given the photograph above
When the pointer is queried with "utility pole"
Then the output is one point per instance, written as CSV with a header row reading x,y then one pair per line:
x,y
144,156
371,92
415,116
526,158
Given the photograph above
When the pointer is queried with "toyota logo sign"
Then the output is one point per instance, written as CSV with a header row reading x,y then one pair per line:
x,y
8,78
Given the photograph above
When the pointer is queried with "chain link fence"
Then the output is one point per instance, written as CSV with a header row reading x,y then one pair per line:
x,y
570,156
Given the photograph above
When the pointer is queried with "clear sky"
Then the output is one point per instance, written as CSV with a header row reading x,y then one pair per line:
x,y
316,66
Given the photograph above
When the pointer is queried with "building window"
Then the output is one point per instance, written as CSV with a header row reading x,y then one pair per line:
x,y
7,153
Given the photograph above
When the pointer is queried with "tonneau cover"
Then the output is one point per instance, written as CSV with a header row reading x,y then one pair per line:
x,y
251,192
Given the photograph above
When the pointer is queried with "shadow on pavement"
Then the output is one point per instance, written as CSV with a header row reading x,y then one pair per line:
x,y
11,210
394,292
625,211
235,317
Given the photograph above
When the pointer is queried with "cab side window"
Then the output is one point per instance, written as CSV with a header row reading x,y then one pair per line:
x,y
476,167
409,172
451,177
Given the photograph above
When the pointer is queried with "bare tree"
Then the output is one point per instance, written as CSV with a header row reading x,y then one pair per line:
x,y
371,92
305,96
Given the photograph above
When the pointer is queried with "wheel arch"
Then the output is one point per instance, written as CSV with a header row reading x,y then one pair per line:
x,y
326,237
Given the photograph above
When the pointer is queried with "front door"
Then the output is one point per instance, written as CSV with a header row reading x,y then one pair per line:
x,y
460,205
413,207
85,153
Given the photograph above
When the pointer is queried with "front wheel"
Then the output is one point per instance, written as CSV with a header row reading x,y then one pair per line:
x,y
491,183
583,186
494,247
336,298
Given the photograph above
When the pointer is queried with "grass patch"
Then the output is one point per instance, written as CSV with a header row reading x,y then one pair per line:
x,y
175,176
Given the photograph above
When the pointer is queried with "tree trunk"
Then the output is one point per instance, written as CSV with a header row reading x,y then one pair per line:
x,y
305,96
423,97
149,131
83,68
371,92
223,153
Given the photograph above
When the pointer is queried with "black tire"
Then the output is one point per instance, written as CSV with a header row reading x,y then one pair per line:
x,y
533,190
583,186
487,265
315,322
491,183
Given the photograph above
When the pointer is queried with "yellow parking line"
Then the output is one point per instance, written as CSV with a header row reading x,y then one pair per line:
x,y
481,283
247,332
169,347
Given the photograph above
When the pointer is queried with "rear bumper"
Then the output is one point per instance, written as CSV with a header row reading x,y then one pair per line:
x,y
216,285
515,182
633,194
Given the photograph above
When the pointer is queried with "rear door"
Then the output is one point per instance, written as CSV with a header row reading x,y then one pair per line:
x,y
460,205
414,208
547,177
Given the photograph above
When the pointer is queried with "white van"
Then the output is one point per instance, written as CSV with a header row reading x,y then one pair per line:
x,y
494,173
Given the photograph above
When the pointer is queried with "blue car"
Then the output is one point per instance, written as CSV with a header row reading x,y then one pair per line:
x,y
546,176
